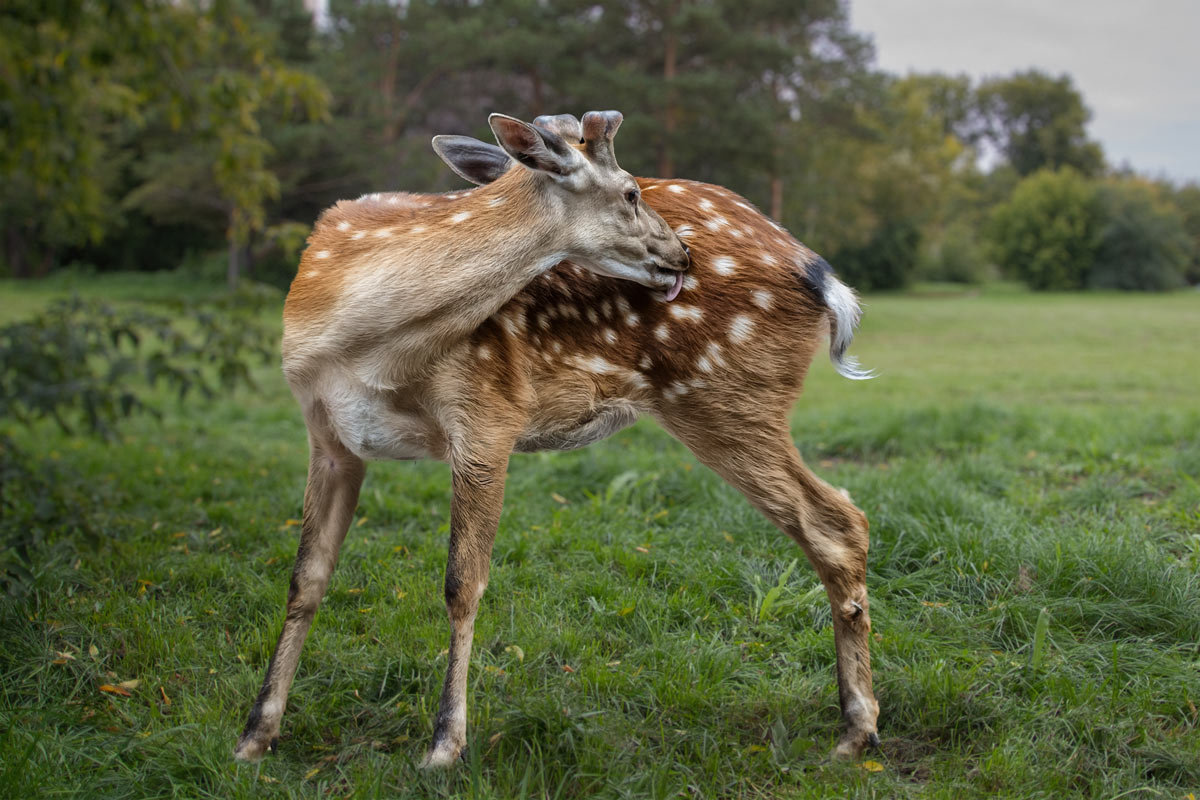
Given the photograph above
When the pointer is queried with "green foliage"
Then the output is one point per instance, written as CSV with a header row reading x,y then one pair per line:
x,y
1047,232
887,261
90,364
1039,122
1143,244
955,257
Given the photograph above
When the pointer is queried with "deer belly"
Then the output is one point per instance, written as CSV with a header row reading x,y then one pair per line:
x,y
606,421
371,427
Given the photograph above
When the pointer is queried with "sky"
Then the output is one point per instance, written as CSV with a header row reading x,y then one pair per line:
x,y
1137,64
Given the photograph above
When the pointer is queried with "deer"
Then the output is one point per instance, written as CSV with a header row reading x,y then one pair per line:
x,y
574,355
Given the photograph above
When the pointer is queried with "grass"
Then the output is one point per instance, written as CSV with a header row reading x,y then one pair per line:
x,y
1028,462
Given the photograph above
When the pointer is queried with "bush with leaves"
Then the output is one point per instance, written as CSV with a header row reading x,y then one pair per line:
x,y
1046,234
1142,243
86,366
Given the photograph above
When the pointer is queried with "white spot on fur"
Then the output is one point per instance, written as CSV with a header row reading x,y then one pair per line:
x,y
632,319
676,188
740,329
740,204
544,322
358,235
706,205
762,298
606,309
322,254
312,273
680,311
690,283
598,365
497,201
418,229
735,233
712,358
343,226
610,335
592,316
451,197
460,216
556,346
638,380
383,233
483,353
724,265
662,332
770,260
645,363
716,223
684,231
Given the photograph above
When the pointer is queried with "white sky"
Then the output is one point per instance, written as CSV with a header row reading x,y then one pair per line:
x,y
1136,63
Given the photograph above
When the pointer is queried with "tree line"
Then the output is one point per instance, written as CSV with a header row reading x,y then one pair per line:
x,y
145,134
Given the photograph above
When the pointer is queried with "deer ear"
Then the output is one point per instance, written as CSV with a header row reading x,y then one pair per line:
x,y
479,162
535,148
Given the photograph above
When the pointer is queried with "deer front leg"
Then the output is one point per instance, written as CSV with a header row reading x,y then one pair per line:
x,y
335,476
474,516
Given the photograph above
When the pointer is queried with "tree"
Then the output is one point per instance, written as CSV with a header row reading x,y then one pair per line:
x,y
1047,232
1039,122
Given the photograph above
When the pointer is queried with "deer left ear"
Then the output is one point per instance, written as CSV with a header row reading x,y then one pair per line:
x,y
479,162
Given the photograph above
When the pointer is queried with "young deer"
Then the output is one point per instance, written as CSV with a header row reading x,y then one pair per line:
x,y
376,329
572,358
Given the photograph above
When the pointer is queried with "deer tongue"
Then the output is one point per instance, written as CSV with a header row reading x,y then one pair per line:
x,y
673,292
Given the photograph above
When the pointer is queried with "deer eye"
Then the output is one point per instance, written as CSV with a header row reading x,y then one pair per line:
x,y
632,196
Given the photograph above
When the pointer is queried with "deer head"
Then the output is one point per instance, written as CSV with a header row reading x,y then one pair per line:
x,y
614,233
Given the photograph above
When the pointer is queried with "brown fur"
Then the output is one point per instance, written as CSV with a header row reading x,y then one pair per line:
x,y
572,357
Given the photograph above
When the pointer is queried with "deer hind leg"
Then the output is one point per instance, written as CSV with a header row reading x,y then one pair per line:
x,y
762,463
335,476
474,517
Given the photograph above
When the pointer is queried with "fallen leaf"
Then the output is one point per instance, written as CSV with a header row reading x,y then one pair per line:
x,y
166,700
933,605
362,521
59,661
728,538
567,668
516,651
63,656
93,651
133,684
268,779
292,523
757,748
120,690
641,549
308,775
495,737
872,766
613,664
626,611
558,498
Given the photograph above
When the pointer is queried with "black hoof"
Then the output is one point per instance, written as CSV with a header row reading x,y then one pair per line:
x,y
873,740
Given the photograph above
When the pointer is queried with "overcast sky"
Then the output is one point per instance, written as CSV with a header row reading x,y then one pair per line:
x,y
1136,63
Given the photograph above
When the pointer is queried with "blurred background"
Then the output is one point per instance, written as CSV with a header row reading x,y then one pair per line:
x,y
206,137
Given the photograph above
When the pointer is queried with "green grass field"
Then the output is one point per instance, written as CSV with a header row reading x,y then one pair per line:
x,y
1020,457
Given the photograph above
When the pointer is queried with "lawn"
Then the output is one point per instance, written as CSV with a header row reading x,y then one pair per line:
x,y
1021,458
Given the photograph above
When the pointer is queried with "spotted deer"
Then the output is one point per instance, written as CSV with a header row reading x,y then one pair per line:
x,y
575,356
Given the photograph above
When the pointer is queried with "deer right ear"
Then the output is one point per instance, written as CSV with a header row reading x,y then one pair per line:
x,y
535,148
479,162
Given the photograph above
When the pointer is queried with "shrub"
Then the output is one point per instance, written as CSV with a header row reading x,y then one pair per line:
x,y
1142,244
86,364
1047,233
956,257
887,261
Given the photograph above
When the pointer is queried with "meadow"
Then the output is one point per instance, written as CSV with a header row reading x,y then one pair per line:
x,y
1029,465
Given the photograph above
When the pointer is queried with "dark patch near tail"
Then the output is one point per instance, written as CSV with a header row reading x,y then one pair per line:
x,y
815,278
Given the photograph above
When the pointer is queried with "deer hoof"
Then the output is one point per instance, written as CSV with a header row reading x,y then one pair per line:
x,y
250,749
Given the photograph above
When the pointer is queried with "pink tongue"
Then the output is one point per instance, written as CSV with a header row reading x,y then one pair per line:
x,y
673,292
